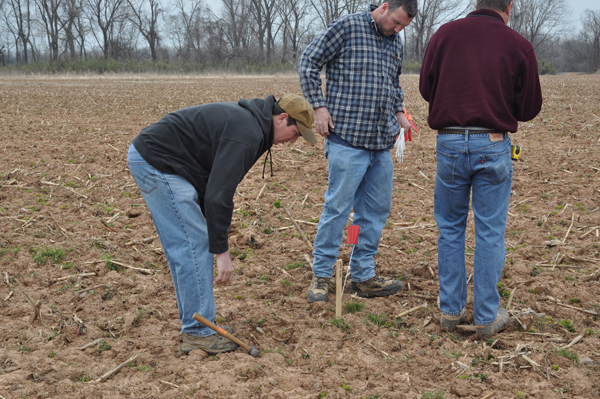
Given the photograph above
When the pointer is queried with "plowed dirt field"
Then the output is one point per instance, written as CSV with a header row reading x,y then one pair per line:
x,y
74,234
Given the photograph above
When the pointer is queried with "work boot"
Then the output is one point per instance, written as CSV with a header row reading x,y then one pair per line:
x,y
449,323
318,291
212,344
500,323
377,286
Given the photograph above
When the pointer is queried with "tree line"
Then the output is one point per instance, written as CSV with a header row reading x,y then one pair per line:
x,y
256,35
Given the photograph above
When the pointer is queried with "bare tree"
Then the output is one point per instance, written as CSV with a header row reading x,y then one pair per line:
x,y
18,18
186,29
3,49
217,44
262,23
49,13
259,24
538,20
590,38
145,15
328,10
106,14
292,17
71,13
431,14
270,17
353,6
81,29
124,38
233,26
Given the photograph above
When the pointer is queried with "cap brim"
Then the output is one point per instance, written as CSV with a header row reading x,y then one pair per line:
x,y
307,133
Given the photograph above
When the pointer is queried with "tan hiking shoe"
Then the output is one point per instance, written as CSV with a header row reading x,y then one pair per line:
x,y
212,344
318,291
377,286
500,323
449,323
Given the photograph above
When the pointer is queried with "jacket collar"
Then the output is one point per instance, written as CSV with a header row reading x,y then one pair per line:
x,y
486,13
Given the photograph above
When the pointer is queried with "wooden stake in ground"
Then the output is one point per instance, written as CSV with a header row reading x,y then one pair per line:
x,y
338,288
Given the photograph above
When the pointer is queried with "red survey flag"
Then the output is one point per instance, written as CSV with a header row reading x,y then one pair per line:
x,y
408,135
353,234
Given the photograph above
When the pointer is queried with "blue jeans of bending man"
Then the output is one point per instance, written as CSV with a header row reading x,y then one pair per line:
x,y
181,227
472,162
359,179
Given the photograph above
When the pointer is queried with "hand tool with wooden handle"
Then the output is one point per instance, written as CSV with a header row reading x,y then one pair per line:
x,y
251,349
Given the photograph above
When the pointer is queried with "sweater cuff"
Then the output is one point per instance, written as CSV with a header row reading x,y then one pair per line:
x,y
218,248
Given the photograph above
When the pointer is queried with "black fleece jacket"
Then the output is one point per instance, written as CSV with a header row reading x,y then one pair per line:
x,y
212,146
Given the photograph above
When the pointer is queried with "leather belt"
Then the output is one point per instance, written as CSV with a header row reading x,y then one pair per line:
x,y
462,131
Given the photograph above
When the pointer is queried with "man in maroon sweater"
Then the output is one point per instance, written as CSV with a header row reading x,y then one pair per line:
x,y
480,78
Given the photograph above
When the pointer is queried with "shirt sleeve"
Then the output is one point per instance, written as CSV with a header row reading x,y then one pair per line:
x,y
322,50
528,92
399,93
232,161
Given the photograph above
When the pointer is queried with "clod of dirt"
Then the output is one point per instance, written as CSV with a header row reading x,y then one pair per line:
x,y
420,271
133,213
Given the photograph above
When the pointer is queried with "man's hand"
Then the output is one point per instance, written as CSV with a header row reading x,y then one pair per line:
x,y
225,268
402,121
323,121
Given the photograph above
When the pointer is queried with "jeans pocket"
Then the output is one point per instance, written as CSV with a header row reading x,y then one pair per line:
x,y
446,165
144,176
497,166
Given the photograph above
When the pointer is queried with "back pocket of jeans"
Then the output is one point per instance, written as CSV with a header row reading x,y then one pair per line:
x,y
497,166
144,176
446,164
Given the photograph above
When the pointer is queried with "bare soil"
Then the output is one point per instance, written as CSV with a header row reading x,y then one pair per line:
x,y
69,208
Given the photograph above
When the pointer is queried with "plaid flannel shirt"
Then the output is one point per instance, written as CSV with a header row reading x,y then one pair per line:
x,y
363,79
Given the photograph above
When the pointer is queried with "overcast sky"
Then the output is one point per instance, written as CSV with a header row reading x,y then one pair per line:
x,y
578,6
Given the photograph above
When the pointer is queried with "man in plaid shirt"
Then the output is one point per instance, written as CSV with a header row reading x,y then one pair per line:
x,y
360,119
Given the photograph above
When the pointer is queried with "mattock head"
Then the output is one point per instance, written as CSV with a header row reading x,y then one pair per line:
x,y
253,351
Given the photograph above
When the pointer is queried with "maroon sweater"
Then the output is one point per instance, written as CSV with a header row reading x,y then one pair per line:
x,y
479,72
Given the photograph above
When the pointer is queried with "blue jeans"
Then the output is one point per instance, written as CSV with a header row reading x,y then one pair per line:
x,y
181,227
359,179
468,162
